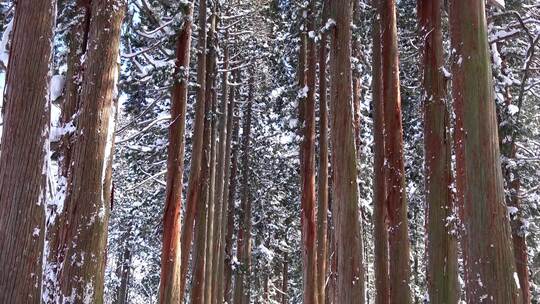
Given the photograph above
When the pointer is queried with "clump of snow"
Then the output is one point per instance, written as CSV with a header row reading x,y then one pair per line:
x,y
56,87
4,50
513,109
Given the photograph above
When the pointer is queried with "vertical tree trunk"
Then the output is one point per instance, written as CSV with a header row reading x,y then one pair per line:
x,y
344,184
125,270
285,280
441,244
88,203
393,142
169,287
222,161
193,193
488,256
23,168
241,288
322,208
212,96
308,196
380,212
56,215
230,195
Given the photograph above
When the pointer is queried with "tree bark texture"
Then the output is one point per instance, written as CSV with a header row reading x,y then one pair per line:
x,y
346,216
398,237
193,193
442,268
24,148
169,287
487,245
84,235
380,212
308,195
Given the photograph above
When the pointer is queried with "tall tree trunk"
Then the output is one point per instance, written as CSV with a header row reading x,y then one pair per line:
x,y
56,219
322,207
380,212
169,287
211,94
241,288
344,170
441,244
393,142
308,196
193,194
88,203
488,256
222,162
24,148
230,195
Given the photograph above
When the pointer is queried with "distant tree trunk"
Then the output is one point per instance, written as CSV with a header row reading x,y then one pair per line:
x,y
201,258
241,288
322,208
350,287
513,182
169,287
487,245
285,280
84,237
212,96
193,194
230,192
393,142
221,171
380,212
24,148
307,170
125,270
441,244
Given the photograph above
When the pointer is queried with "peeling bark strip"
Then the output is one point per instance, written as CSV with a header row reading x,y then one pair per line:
x,y
197,150
23,169
380,212
348,229
488,256
169,287
398,236
442,267
88,204
307,169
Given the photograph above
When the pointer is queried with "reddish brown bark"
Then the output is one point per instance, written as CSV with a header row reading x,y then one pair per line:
x,y
395,172
195,181
56,220
169,287
307,171
24,147
212,96
88,203
441,244
348,229
380,212
488,256
322,207
241,281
